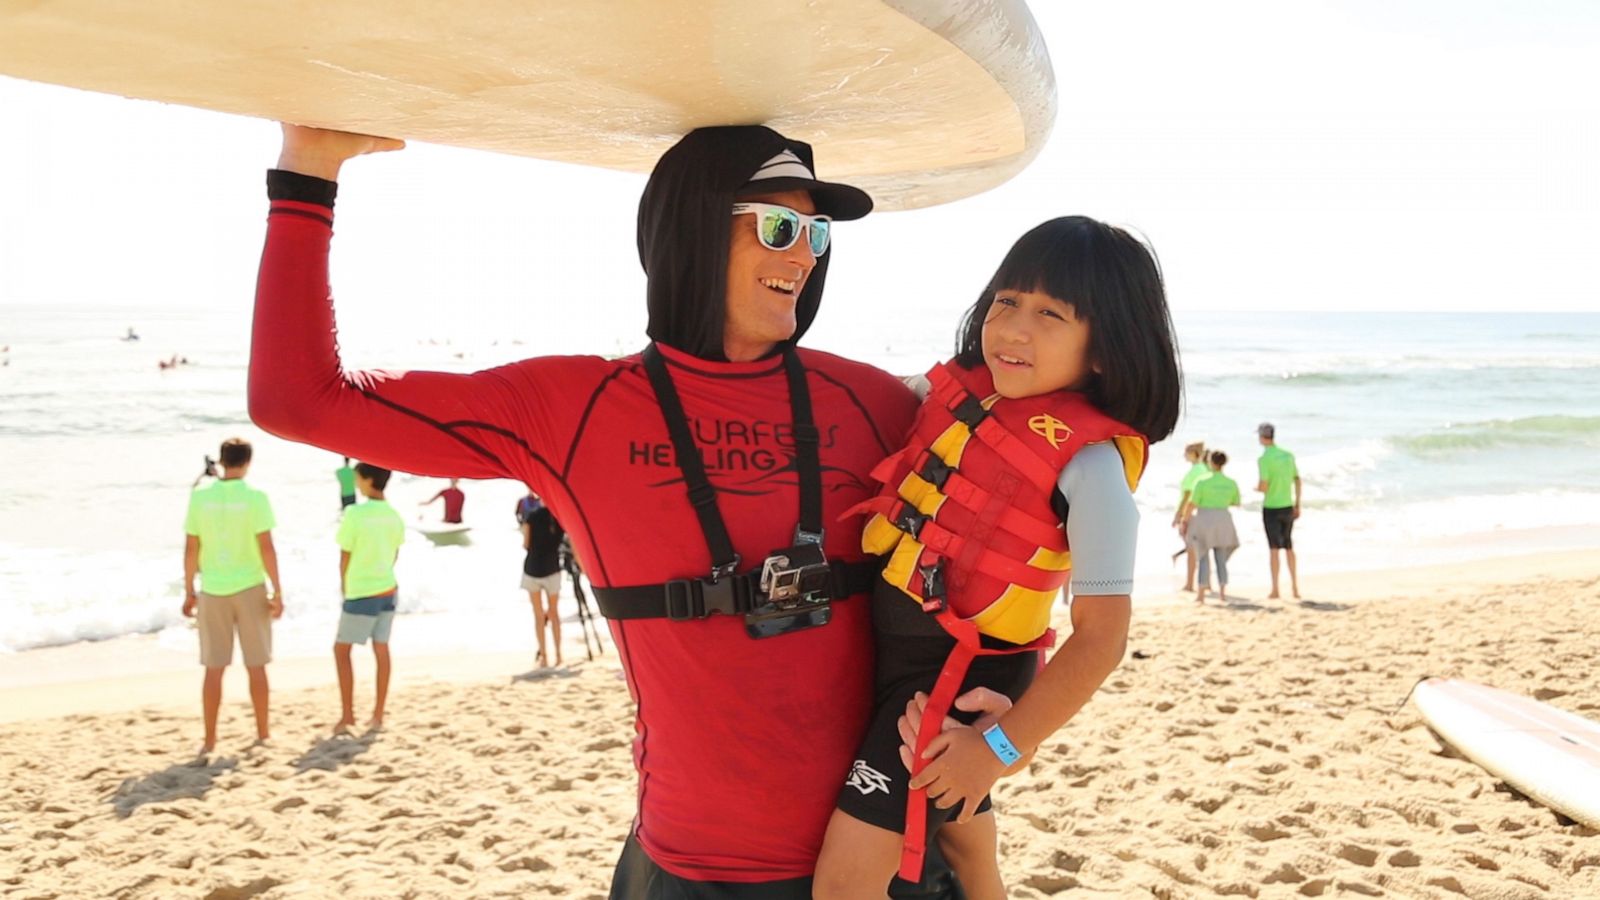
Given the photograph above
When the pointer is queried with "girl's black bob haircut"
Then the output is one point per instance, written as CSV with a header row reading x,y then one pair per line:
x,y
1113,281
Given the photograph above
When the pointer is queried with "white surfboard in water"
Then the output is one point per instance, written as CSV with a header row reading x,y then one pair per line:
x,y
916,101
444,532
1549,754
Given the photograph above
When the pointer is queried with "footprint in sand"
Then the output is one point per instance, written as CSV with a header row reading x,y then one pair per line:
x,y
1405,859
1357,854
1284,874
1266,831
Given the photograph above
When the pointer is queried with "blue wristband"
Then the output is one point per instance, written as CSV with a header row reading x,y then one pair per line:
x,y
1001,745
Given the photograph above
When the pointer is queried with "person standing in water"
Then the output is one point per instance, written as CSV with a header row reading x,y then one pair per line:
x,y
1280,509
454,500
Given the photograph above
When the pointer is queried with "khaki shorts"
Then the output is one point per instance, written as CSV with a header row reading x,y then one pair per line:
x,y
550,584
220,617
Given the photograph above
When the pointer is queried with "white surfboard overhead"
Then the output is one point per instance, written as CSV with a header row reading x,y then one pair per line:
x,y
1549,754
916,101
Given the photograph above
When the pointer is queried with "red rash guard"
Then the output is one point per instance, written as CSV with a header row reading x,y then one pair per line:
x,y
454,499
741,744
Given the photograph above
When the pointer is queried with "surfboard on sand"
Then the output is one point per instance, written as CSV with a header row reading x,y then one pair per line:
x,y
1548,754
916,101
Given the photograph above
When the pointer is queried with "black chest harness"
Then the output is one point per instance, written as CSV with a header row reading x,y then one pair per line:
x,y
794,587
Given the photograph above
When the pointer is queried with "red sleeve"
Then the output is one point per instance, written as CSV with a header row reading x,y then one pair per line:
x,y
484,425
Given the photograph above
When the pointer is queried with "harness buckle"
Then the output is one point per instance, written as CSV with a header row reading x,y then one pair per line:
x,y
688,599
680,600
718,573
720,596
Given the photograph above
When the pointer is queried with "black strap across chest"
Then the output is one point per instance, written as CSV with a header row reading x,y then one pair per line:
x,y
702,495
726,589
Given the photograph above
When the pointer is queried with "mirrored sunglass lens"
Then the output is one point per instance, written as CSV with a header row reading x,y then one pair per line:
x,y
779,228
818,229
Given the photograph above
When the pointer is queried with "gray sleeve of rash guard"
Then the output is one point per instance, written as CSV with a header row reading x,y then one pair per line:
x,y
1102,522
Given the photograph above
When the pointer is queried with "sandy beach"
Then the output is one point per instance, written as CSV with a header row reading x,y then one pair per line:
x,y
1257,750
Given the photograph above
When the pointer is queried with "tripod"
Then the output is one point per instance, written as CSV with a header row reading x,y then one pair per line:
x,y
586,618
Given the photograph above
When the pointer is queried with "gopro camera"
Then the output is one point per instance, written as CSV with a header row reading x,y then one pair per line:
x,y
211,467
794,590
794,575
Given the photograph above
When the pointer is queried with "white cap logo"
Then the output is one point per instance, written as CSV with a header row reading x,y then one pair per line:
x,y
784,165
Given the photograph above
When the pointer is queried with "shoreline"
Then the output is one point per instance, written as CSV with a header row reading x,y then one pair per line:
x,y
137,672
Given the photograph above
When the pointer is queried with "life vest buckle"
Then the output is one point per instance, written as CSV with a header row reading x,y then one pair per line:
x,y
935,471
907,519
933,592
970,412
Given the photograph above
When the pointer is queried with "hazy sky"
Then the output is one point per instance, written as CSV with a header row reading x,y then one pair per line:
x,y
1280,155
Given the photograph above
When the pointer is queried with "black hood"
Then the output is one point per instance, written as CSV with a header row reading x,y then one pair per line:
x,y
684,228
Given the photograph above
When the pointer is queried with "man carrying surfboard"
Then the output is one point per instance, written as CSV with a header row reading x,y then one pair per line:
x,y
702,481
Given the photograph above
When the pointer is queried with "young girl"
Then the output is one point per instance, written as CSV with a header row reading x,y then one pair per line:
x,y
1032,439
1210,531
1195,454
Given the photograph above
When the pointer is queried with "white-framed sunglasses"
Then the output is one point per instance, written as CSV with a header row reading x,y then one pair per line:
x,y
778,227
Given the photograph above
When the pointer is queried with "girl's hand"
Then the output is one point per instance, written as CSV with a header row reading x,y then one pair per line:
x,y
320,152
992,704
979,700
962,770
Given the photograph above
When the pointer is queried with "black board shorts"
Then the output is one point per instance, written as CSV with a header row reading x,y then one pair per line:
x,y
1279,524
638,877
911,649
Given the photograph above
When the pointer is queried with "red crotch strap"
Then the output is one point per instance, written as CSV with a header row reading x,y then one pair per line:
x,y
954,671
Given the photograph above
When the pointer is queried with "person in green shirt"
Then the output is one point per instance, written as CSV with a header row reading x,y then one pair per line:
x,y
347,484
1280,509
229,545
1196,455
1211,533
370,535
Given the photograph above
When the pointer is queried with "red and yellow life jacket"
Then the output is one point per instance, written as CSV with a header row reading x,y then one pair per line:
x,y
976,515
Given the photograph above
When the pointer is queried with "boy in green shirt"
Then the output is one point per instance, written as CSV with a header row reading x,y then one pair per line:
x,y
1280,509
370,535
229,544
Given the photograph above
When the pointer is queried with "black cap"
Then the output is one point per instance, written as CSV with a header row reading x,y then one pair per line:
x,y
786,172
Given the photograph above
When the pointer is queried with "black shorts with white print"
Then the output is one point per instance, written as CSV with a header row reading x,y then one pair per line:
x,y
911,649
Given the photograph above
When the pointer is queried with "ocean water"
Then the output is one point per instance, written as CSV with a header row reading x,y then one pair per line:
x,y
1421,438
